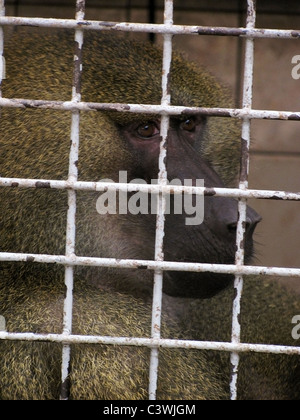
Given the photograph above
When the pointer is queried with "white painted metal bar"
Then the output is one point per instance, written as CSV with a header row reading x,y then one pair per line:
x,y
71,217
147,188
146,28
2,76
151,265
161,204
150,109
242,206
149,342
2,59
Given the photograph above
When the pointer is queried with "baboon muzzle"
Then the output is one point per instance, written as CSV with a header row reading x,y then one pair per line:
x,y
212,241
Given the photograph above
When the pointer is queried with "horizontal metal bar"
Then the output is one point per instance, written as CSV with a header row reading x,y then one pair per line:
x,y
152,28
151,343
149,109
150,265
147,188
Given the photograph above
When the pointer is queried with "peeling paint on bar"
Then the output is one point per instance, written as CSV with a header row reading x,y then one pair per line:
x,y
149,28
42,184
151,265
2,59
71,216
161,203
242,205
149,109
148,342
155,189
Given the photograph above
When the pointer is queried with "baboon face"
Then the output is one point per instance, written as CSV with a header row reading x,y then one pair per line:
x,y
198,229
197,149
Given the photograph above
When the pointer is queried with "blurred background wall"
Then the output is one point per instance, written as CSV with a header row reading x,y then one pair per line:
x,y
275,151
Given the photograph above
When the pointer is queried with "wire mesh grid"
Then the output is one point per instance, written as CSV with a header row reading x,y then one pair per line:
x,y
158,265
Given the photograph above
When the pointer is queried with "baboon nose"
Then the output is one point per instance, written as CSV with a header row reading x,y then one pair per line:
x,y
252,221
232,227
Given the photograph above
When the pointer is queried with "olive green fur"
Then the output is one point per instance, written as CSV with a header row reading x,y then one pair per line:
x,y
190,86
35,144
32,370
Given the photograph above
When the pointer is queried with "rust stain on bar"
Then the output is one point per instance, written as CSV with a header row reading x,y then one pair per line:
x,y
41,184
209,192
222,31
244,161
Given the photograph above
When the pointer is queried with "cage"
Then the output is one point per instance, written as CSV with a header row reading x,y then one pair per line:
x,y
229,31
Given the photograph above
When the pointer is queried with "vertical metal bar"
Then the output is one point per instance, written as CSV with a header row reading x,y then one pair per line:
x,y
2,59
71,217
160,221
242,207
239,57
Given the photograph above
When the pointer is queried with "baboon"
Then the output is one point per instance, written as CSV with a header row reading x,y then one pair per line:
x,y
113,302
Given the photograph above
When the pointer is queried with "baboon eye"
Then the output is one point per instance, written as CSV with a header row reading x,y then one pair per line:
x,y
147,131
189,124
